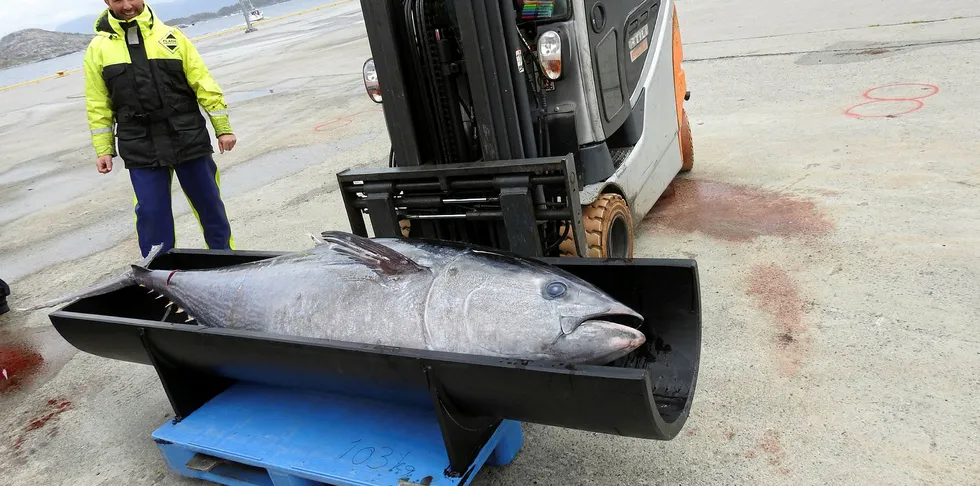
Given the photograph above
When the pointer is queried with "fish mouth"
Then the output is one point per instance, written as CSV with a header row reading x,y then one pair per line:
x,y
599,342
621,315
604,337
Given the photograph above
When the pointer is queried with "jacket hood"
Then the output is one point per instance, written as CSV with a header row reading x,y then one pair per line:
x,y
108,25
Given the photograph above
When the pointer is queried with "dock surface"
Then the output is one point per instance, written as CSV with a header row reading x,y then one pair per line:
x,y
832,211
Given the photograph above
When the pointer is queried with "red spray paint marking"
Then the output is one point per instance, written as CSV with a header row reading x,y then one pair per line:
x,y
916,100
17,365
342,121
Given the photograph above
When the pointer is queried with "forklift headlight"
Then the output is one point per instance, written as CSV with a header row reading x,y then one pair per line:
x,y
549,54
371,83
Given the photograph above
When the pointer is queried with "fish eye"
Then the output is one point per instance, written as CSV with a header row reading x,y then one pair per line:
x,y
556,289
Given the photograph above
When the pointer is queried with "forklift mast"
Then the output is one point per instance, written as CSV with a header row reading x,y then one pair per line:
x,y
450,74
499,113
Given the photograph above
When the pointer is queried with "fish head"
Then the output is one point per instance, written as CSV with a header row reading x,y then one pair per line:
x,y
521,308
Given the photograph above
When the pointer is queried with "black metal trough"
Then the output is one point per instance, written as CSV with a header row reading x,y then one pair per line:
x,y
645,395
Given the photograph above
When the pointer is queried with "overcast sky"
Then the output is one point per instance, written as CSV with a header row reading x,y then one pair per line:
x,y
46,14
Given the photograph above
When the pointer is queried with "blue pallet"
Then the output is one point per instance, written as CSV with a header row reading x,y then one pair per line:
x,y
287,437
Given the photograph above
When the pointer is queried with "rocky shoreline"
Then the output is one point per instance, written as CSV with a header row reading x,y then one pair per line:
x,y
35,45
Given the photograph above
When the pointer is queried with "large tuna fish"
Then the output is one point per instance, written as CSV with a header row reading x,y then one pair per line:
x,y
405,293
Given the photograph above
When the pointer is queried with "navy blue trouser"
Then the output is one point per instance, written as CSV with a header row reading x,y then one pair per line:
x,y
200,181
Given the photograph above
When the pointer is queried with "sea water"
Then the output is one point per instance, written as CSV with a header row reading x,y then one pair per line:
x,y
68,62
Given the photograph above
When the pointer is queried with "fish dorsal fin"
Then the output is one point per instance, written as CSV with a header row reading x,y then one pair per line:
x,y
373,254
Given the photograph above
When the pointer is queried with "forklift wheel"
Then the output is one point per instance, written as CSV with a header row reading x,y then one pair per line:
x,y
687,145
608,227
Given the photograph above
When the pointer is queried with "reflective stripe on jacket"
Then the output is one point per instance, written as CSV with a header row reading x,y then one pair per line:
x,y
148,80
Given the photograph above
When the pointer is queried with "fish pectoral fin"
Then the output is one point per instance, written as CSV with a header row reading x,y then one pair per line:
x,y
373,254
317,240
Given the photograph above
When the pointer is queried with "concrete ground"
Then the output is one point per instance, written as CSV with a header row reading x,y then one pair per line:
x,y
837,239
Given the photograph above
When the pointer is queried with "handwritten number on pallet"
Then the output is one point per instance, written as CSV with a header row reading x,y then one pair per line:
x,y
354,459
352,448
401,463
359,458
385,457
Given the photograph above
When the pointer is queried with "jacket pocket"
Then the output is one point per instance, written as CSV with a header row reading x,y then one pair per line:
x,y
174,66
190,134
171,72
187,121
118,83
134,143
111,71
131,131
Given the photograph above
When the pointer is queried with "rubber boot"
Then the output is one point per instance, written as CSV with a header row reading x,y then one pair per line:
x,y
4,292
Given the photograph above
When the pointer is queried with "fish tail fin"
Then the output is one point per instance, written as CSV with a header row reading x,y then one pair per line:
x,y
128,278
154,252
139,271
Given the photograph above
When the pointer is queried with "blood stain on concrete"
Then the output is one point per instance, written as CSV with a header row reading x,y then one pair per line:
x,y
776,293
29,357
735,213
48,412
59,408
18,364
772,447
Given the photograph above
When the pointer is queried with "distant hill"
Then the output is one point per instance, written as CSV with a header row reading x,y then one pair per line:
x,y
173,13
33,45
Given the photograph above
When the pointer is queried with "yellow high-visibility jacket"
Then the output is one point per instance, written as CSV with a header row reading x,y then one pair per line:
x,y
148,81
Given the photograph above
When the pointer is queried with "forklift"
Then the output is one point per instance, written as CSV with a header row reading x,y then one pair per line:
x,y
546,128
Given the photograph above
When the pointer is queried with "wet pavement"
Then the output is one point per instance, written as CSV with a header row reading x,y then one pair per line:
x,y
736,213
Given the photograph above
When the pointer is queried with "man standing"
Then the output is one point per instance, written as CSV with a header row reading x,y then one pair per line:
x,y
147,79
